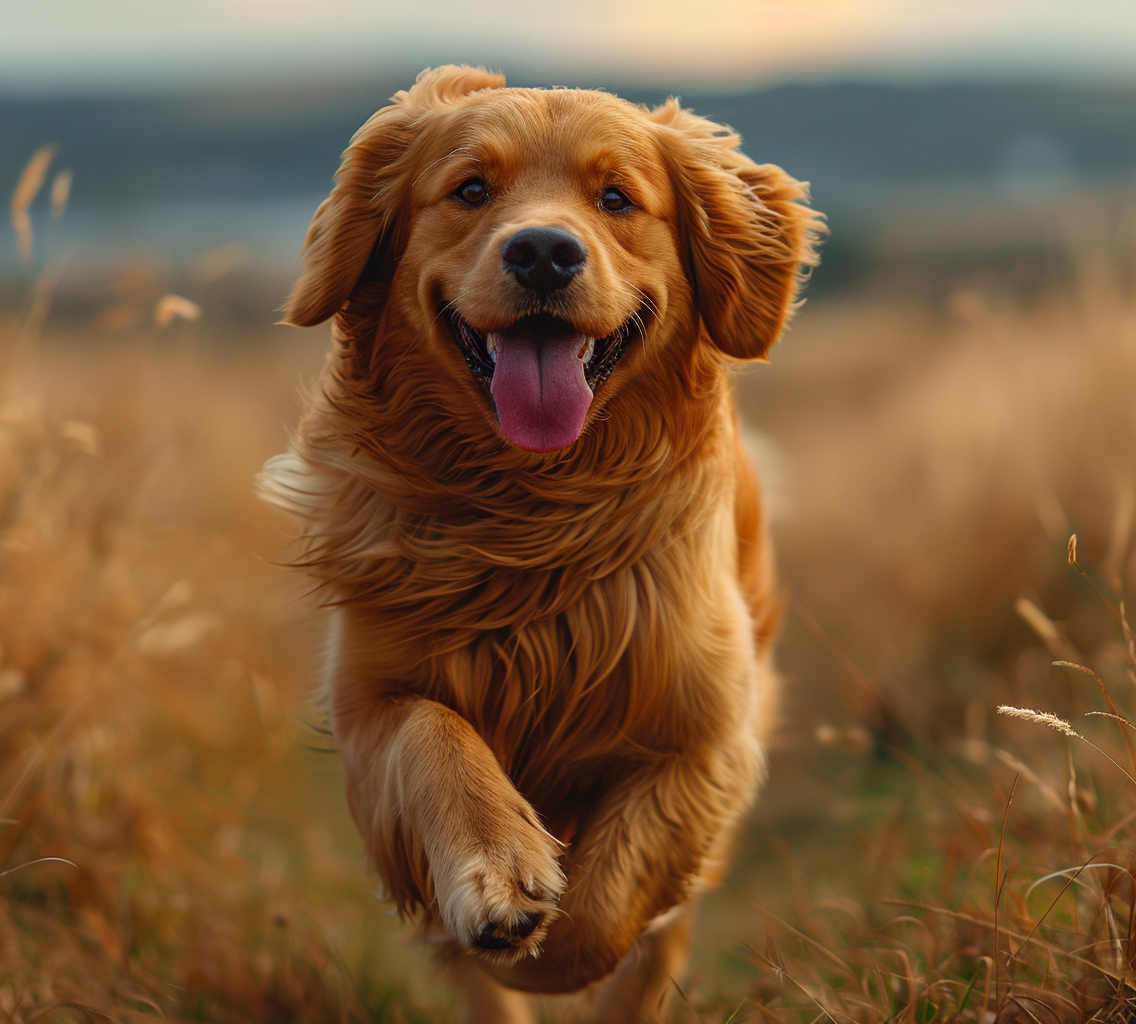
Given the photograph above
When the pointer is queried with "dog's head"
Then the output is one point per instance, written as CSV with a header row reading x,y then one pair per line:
x,y
546,247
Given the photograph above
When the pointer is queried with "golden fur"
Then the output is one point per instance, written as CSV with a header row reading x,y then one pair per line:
x,y
548,672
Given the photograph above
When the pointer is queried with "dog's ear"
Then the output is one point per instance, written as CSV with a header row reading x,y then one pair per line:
x,y
744,229
361,217
348,226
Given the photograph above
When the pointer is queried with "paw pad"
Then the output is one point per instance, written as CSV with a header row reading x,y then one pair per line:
x,y
503,936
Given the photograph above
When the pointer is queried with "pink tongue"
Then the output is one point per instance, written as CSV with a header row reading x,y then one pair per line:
x,y
539,389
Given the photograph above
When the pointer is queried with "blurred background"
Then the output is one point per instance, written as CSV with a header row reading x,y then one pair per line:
x,y
985,135
954,399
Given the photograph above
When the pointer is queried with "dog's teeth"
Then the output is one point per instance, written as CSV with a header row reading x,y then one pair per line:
x,y
491,348
585,354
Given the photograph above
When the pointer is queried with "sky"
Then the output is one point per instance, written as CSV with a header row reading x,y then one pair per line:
x,y
129,45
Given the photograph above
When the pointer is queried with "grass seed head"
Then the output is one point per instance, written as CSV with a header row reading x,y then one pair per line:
x,y
1042,717
175,307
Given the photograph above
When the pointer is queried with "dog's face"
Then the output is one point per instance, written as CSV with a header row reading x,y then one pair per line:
x,y
540,236
545,247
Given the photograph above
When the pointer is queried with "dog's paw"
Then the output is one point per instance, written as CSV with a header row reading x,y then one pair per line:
x,y
499,896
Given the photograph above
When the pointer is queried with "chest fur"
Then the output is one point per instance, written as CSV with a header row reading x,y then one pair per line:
x,y
555,667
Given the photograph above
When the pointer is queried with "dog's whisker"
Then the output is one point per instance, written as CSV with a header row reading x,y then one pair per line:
x,y
450,306
434,163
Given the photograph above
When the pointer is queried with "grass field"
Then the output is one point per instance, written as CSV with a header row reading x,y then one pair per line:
x,y
175,841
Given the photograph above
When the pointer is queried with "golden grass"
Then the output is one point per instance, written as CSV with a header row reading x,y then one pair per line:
x,y
171,846
934,499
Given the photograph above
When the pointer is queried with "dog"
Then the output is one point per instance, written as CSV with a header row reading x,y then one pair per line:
x,y
527,503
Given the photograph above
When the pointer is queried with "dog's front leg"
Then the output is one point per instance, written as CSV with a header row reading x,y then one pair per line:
x,y
443,824
653,842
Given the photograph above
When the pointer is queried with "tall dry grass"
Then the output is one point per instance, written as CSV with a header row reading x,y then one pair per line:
x,y
152,668
971,866
166,843
172,847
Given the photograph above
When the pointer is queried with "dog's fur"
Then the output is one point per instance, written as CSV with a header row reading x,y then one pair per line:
x,y
548,673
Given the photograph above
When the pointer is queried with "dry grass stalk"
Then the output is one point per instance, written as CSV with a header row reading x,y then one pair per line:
x,y
1115,711
1053,722
1019,767
1121,535
1044,627
60,193
1000,882
27,188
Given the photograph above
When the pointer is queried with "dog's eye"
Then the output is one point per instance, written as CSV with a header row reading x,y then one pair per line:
x,y
615,201
473,192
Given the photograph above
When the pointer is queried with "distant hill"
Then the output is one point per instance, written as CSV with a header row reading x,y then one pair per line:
x,y
920,183
264,143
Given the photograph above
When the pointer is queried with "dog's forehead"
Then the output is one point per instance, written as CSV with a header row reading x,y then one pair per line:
x,y
580,130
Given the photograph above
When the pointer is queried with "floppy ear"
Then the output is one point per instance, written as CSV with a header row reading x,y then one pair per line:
x,y
360,218
746,234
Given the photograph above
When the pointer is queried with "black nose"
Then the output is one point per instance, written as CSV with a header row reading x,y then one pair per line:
x,y
543,259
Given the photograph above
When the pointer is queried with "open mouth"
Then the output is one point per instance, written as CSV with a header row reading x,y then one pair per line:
x,y
542,373
598,355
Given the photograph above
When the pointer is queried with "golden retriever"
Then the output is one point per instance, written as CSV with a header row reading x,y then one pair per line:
x,y
526,500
